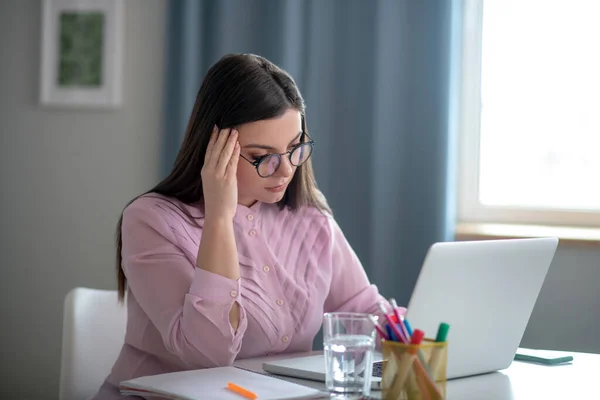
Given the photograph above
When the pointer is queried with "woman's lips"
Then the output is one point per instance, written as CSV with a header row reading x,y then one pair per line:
x,y
276,189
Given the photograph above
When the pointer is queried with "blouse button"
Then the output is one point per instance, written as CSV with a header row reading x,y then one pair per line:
x,y
250,217
279,302
233,293
252,233
285,338
266,268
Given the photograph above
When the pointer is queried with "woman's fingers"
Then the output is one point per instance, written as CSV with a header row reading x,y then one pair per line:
x,y
227,152
211,145
222,152
222,137
217,148
231,172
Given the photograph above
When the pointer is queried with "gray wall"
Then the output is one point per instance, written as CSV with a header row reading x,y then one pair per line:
x,y
65,176
567,313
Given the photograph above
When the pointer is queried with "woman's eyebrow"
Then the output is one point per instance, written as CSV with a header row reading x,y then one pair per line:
x,y
265,147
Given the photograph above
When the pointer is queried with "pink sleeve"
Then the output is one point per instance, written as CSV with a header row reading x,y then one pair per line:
x,y
350,288
189,306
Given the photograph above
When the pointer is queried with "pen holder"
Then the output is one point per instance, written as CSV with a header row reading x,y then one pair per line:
x,y
414,372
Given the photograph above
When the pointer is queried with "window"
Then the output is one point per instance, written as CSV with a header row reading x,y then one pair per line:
x,y
530,116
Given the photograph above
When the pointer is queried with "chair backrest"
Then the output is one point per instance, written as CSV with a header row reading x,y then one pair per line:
x,y
93,334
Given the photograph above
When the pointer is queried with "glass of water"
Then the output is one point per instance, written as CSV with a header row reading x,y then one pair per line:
x,y
349,342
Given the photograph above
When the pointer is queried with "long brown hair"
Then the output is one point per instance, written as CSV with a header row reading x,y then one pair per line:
x,y
238,89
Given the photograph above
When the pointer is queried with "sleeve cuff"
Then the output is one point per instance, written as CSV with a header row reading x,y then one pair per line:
x,y
215,288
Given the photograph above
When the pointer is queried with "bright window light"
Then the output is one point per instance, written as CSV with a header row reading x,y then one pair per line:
x,y
540,105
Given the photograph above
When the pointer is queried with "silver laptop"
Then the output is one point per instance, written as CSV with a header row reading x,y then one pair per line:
x,y
485,290
313,368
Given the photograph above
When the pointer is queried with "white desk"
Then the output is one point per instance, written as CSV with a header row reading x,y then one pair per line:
x,y
521,381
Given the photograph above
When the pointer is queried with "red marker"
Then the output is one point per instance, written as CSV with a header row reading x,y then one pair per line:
x,y
417,337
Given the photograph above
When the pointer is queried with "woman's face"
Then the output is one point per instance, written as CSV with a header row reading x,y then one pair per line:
x,y
277,135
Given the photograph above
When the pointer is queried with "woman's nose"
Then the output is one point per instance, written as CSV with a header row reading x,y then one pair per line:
x,y
286,169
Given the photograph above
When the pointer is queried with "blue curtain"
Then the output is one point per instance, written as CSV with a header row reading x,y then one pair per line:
x,y
379,80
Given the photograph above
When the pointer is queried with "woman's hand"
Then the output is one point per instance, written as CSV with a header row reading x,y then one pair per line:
x,y
217,252
219,180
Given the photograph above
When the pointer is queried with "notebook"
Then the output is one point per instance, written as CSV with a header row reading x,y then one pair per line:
x,y
211,384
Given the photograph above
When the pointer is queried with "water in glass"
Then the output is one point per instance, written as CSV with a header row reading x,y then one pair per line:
x,y
349,360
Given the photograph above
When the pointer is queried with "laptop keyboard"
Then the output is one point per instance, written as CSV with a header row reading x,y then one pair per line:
x,y
377,369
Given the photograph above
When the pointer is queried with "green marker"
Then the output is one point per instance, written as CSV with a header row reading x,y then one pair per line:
x,y
442,332
437,352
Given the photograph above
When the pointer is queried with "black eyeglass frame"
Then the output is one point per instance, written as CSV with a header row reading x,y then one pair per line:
x,y
257,162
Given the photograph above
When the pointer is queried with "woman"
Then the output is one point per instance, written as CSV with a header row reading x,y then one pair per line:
x,y
235,254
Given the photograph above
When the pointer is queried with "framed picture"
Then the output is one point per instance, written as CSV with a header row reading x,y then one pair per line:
x,y
81,54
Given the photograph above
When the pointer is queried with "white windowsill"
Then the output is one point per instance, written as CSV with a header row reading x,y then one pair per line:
x,y
566,234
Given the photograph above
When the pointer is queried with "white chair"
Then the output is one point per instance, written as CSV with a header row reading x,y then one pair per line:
x,y
93,332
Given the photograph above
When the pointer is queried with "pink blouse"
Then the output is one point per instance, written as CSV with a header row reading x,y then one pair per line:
x,y
294,266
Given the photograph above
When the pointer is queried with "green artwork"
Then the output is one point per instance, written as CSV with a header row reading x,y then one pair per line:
x,y
80,54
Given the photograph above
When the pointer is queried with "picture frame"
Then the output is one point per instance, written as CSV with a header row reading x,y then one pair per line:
x,y
81,53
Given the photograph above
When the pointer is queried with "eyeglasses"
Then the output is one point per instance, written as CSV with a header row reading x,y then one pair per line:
x,y
268,164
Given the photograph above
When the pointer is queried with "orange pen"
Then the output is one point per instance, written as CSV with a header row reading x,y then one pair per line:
x,y
241,391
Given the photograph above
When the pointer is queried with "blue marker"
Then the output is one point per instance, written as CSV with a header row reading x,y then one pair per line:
x,y
408,328
391,333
